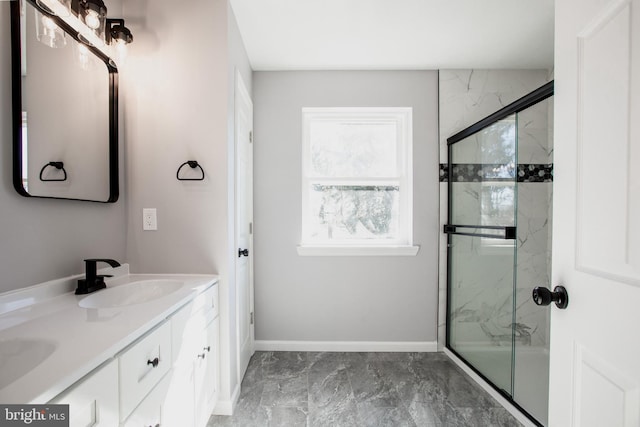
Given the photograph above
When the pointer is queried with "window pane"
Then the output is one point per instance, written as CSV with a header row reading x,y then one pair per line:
x,y
353,149
354,212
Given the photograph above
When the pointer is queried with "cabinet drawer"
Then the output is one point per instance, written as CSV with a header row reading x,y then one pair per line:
x,y
142,366
93,401
208,302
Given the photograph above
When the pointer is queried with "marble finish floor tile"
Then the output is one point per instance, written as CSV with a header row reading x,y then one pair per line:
x,y
317,389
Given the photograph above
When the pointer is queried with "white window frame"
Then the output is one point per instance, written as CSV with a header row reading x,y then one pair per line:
x,y
403,245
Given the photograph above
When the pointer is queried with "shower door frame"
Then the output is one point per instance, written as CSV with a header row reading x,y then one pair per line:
x,y
532,98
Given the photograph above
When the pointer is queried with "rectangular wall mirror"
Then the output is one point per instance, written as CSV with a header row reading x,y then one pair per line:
x,y
65,110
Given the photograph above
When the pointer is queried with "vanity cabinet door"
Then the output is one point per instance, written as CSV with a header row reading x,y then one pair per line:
x,y
151,411
194,378
178,407
206,374
93,401
188,337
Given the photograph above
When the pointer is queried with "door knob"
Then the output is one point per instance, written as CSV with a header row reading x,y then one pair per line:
x,y
243,252
543,296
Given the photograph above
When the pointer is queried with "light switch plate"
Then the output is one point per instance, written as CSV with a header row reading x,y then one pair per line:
x,y
149,219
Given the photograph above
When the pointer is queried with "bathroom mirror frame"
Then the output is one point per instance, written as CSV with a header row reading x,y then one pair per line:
x,y
16,71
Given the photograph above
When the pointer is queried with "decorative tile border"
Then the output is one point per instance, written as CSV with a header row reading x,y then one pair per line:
x,y
535,173
479,172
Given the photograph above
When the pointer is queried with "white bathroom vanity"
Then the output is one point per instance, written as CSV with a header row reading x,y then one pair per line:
x,y
143,351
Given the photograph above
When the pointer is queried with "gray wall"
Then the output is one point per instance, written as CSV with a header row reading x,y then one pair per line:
x,y
382,299
179,106
42,240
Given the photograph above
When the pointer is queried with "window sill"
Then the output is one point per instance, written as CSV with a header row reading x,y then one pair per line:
x,y
357,250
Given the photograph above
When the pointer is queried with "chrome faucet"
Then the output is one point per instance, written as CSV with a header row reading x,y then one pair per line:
x,y
92,281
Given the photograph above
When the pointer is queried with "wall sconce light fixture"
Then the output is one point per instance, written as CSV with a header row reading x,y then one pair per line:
x,y
118,36
93,13
89,19
118,33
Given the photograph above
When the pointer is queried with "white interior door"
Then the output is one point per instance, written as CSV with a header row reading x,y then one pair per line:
x,y
244,223
595,343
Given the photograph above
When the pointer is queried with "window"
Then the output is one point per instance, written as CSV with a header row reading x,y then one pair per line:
x,y
357,178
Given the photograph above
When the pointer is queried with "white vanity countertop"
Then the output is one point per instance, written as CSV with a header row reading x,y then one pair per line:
x,y
47,316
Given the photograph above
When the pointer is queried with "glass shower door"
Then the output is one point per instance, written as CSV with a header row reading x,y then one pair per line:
x,y
533,268
482,252
499,248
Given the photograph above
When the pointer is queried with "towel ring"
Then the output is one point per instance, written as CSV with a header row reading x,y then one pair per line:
x,y
57,165
192,164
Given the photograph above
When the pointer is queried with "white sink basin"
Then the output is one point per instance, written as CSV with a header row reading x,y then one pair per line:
x,y
19,356
131,293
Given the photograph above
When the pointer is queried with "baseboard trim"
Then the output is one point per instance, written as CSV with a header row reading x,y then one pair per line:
x,y
348,346
487,387
226,407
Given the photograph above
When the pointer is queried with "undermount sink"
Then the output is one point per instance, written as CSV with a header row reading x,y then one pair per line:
x,y
131,293
19,356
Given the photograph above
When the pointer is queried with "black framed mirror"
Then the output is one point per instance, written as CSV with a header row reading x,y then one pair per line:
x,y
65,110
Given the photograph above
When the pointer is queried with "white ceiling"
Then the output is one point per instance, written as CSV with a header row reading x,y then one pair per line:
x,y
396,34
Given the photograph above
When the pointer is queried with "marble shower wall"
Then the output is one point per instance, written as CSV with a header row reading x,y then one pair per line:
x,y
467,96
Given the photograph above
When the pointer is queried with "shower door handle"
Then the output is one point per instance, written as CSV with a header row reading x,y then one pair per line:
x,y
543,296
